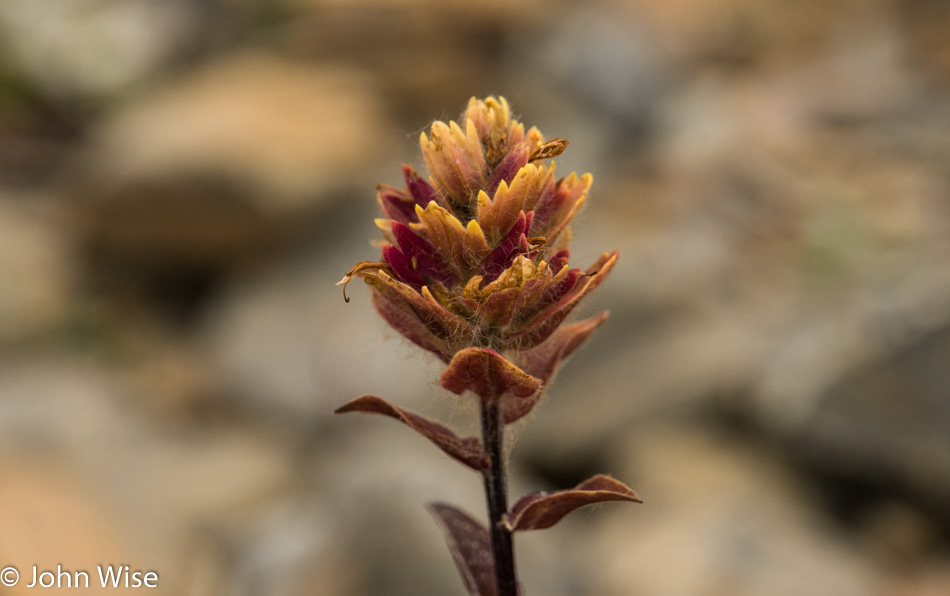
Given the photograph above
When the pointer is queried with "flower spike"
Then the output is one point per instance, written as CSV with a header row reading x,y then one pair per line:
x,y
474,268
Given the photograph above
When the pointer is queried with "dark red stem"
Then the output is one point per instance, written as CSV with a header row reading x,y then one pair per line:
x,y
493,435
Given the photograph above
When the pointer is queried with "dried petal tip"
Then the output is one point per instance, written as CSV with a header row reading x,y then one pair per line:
x,y
550,149
355,271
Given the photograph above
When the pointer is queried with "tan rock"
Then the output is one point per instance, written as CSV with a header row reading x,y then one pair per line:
x,y
48,518
228,159
36,271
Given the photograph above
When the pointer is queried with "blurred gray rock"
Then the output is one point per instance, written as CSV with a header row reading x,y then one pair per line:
x,y
884,423
718,519
161,488
287,342
182,183
92,49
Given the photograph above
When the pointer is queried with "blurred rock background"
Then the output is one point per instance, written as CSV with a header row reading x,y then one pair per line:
x,y
182,182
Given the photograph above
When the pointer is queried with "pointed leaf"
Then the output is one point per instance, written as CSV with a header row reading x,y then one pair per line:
x,y
470,545
468,451
488,374
538,511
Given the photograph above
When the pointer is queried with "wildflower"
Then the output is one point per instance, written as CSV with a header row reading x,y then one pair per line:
x,y
477,255
474,268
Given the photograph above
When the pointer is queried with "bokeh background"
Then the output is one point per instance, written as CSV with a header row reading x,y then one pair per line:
x,y
183,181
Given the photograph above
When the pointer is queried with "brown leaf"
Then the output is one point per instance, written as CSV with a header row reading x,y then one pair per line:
x,y
543,360
488,374
468,451
470,545
537,511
